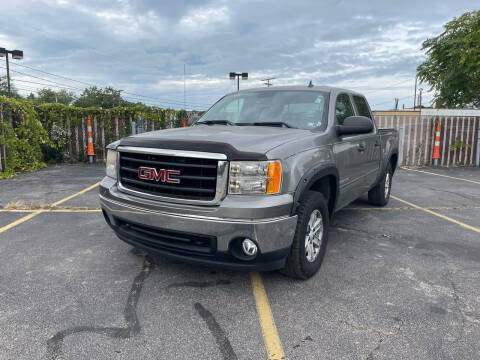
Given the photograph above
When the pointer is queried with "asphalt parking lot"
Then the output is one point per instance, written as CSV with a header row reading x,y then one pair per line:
x,y
401,282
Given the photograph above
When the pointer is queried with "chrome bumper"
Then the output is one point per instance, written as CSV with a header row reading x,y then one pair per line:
x,y
274,235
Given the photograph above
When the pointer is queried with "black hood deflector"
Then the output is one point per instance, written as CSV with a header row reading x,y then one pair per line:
x,y
193,145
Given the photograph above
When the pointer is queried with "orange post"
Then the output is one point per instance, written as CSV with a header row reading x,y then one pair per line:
x,y
184,122
90,151
436,148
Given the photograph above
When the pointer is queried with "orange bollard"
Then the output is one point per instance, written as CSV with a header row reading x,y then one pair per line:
x,y
436,148
90,151
184,122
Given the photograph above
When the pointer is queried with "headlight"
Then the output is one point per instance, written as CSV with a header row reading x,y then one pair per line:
x,y
111,168
255,177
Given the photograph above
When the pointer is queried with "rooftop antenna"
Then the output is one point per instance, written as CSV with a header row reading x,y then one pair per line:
x,y
268,81
310,84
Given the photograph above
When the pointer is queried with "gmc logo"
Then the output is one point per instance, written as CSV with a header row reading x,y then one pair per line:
x,y
162,175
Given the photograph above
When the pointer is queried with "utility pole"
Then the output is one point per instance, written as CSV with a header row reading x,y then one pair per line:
x,y
8,76
396,103
267,81
184,88
415,96
234,75
420,98
17,55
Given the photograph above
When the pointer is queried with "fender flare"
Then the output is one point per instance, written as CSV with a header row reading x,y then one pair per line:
x,y
309,178
392,153
385,163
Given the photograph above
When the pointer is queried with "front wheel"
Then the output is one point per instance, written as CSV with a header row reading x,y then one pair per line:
x,y
310,240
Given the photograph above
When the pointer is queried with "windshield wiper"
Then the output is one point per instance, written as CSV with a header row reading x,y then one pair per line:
x,y
214,122
272,123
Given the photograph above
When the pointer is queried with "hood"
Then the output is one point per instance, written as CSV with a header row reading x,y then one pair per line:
x,y
237,142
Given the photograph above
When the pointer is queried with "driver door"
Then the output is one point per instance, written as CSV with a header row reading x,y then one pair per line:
x,y
348,150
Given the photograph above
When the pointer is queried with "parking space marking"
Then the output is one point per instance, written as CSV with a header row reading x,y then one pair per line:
x,y
96,210
76,194
36,212
446,176
470,227
269,330
51,210
19,221
412,208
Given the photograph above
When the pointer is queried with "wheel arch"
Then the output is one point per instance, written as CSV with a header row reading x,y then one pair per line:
x,y
393,159
322,178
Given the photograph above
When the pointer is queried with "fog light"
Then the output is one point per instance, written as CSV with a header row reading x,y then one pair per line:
x,y
249,247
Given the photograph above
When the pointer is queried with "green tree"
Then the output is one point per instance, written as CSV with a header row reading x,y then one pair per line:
x,y
452,67
4,88
105,98
51,96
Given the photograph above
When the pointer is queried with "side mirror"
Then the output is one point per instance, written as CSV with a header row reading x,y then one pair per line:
x,y
355,125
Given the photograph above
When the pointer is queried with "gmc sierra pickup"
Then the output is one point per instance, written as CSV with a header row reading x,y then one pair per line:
x,y
254,182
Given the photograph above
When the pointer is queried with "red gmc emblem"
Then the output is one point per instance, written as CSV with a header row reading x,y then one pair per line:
x,y
162,175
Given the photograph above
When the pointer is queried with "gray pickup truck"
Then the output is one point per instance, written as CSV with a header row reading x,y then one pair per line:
x,y
254,182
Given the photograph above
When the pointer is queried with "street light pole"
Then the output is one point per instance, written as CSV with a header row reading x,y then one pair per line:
x,y
17,55
234,75
8,76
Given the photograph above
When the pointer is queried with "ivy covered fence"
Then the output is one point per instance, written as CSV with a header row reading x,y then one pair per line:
x,y
32,136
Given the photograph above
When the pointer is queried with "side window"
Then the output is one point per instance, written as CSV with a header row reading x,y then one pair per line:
x,y
362,106
343,108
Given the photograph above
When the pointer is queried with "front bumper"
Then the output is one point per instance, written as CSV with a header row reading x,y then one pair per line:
x,y
273,235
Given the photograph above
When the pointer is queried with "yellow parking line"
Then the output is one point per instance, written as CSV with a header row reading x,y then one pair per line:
x,y
470,227
19,221
76,194
412,208
33,214
446,176
74,210
69,210
269,330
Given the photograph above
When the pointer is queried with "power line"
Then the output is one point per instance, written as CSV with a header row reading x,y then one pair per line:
x,y
387,102
39,78
60,76
167,101
38,83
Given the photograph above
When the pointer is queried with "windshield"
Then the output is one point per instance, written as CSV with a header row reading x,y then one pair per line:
x,y
289,108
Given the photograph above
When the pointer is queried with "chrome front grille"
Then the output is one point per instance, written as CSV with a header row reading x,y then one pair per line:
x,y
198,177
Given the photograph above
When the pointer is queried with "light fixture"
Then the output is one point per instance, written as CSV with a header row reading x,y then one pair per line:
x,y
17,54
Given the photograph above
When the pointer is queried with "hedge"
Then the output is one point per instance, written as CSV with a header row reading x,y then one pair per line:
x,y
33,135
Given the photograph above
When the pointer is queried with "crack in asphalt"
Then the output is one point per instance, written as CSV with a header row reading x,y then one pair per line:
x,y
218,333
55,343
468,197
456,300
383,334
370,355
199,284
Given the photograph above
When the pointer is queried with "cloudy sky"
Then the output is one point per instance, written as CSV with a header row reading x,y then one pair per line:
x,y
142,46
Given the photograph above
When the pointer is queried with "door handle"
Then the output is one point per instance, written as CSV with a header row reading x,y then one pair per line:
x,y
361,148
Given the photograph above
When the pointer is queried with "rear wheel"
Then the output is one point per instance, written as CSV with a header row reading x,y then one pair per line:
x,y
380,194
310,240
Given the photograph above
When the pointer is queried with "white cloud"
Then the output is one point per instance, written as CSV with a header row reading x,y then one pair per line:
x,y
141,46
201,21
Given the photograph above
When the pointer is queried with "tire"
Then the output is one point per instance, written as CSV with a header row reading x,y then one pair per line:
x,y
380,194
303,263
